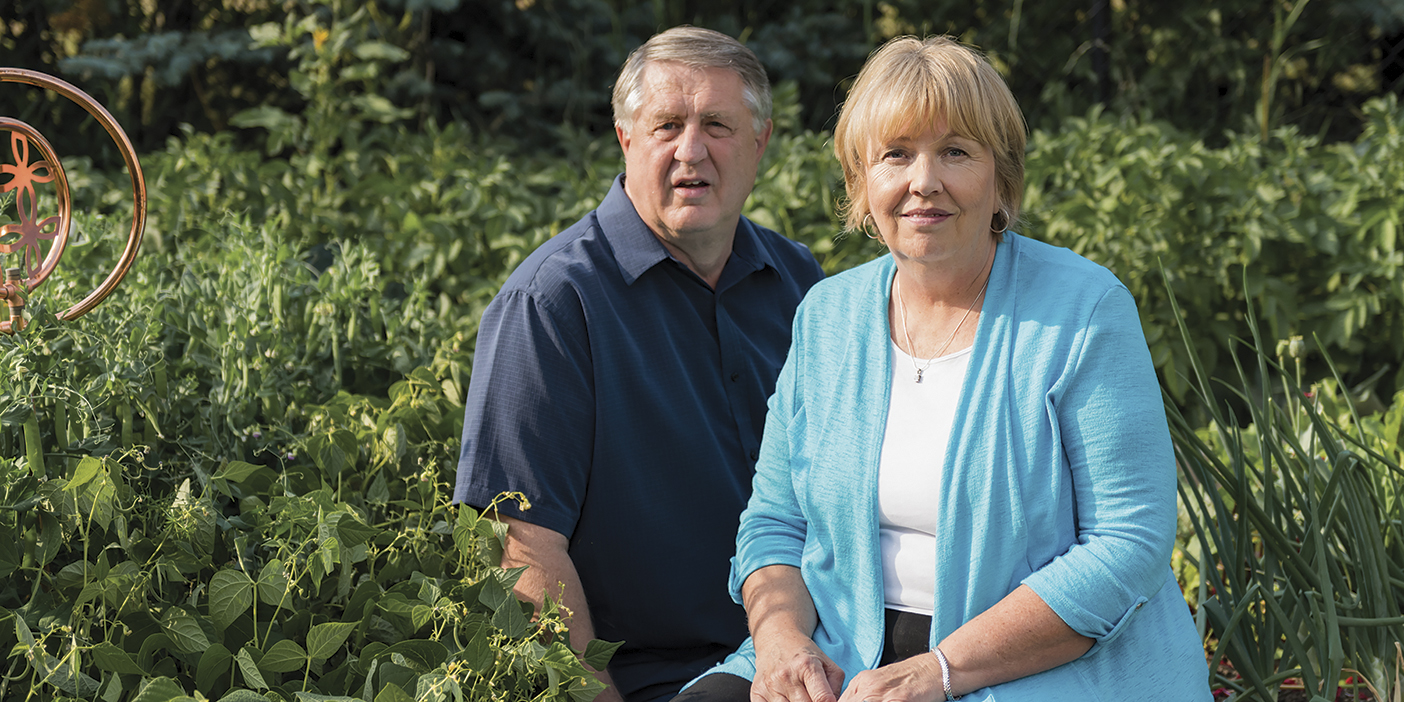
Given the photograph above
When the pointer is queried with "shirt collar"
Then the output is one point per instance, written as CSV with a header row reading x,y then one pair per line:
x,y
637,249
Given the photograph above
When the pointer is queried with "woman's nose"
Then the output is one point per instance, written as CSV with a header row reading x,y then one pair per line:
x,y
925,176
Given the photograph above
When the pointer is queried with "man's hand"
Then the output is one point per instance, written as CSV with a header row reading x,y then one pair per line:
x,y
550,572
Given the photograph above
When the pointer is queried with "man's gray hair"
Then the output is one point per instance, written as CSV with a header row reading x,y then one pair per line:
x,y
693,47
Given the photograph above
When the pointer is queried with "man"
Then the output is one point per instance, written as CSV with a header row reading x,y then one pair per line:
x,y
622,373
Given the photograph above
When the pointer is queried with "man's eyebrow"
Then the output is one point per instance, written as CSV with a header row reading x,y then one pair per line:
x,y
665,116
723,116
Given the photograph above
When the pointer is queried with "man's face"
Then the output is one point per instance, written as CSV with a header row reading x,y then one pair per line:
x,y
690,157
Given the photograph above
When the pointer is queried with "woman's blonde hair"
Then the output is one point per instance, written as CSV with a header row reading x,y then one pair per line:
x,y
910,84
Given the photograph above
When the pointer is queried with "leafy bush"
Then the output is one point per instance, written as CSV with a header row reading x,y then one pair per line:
x,y
196,503
1314,226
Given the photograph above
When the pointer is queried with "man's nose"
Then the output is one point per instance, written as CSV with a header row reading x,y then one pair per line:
x,y
692,147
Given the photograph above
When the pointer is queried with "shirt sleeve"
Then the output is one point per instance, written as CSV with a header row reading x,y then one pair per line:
x,y
772,529
529,418
1111,419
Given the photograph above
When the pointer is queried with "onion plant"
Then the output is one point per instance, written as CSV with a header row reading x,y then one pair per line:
x,y
1295,511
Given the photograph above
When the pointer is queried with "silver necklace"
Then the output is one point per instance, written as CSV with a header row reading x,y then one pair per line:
x,y
902,314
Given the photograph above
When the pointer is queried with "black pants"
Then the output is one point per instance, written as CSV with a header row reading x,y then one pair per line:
x,y
905,635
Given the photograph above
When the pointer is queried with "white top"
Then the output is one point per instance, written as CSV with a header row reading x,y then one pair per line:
x,y
919,418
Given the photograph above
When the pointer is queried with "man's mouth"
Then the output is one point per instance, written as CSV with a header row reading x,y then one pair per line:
x,y
690,184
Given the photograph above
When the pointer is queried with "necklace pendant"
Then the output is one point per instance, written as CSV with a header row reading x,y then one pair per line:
x,y
918,377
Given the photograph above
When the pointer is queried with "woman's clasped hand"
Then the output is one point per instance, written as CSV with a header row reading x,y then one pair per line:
x,y
915,679
791,668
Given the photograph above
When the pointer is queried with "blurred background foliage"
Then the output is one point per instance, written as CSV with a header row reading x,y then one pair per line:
x,y
523,68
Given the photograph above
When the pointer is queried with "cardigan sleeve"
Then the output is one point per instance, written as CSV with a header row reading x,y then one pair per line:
x,y
773,526
1110,417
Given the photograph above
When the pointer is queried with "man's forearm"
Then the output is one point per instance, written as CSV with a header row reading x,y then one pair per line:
x,y
550,573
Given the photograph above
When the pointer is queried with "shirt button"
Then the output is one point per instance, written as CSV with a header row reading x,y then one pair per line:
x,y
755,455
735,377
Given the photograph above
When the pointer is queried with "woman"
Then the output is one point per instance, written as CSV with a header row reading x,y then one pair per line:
x,y
966,485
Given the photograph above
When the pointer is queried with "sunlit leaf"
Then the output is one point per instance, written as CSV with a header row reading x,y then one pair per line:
x,y
231,593
323,640
283,657
248,667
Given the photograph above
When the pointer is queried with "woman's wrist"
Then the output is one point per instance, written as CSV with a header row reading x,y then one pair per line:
x,y
948,692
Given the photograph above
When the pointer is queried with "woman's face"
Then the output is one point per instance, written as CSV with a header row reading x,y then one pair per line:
x,y
932,195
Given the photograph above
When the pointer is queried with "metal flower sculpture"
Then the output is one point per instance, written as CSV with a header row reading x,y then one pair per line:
x,y
23,176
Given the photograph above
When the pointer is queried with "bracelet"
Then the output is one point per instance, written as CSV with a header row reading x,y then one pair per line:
x,y
945,674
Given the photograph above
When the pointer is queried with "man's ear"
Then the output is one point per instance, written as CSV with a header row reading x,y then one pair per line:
x,y
624,138
763,138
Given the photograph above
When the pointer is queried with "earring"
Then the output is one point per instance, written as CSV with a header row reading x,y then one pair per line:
x,y
1002,228
867,218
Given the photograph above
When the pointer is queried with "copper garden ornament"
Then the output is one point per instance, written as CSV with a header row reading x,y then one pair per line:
x,y
28,161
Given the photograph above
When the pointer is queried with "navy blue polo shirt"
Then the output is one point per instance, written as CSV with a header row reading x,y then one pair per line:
x,y
626,399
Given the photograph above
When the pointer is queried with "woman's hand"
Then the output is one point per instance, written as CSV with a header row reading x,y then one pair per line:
x,y
791,668
789,665
916,679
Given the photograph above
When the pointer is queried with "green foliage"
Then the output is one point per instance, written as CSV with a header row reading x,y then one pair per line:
x,y
138,562
1293,550
526,67
1315,226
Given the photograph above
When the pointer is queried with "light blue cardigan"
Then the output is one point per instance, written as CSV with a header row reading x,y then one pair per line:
x,y
1060,475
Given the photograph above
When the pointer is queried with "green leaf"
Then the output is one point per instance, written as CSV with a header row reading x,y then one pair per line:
x,y
437,687
270,118
393,693
510,619
598,653
185,631
379,492
273,585
283,657
10,557
352,532
87,469
379,50
111,689
421,615
335,452
248,666
113,659
48,539
478,653
161,689
324,639
310,697
243,696
216,663
588,688
424,654
231,593
493,594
